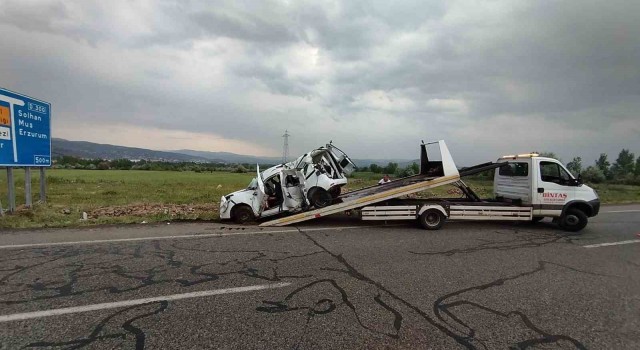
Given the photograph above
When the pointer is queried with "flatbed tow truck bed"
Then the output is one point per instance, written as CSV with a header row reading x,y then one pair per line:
x,y
432,174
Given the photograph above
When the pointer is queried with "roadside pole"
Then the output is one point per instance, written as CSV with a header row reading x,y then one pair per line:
x,y
27,187
43,186
12,190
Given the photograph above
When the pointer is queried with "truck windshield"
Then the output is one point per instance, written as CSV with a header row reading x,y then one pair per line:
x,y
253,184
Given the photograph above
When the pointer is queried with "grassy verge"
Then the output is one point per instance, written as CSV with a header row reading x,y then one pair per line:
x,y
113,196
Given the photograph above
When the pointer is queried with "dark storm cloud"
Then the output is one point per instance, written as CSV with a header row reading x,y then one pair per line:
x,y
364,72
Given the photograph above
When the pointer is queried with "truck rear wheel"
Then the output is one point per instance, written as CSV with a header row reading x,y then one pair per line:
x,y
431,219
242,214
573,220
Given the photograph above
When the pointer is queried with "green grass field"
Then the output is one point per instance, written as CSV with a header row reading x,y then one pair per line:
x,y
114,196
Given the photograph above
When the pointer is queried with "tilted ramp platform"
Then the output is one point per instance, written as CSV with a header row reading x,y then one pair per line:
x,y
433,173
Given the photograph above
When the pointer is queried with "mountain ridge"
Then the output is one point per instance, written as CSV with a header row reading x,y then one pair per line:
x,y
86,149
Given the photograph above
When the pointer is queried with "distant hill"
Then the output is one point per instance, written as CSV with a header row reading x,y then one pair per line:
x,y
228,157
83,149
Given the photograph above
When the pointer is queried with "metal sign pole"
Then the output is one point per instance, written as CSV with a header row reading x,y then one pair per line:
x,y
27,187
43,186
12,190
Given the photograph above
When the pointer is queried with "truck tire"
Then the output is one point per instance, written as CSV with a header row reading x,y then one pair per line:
x,y
431,219
573,220
242,214
319,198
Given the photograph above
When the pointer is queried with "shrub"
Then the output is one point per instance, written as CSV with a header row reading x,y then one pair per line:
x,y
593,175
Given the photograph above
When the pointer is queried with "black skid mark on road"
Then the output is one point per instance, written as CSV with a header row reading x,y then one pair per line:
x,y
442,309
30,274
523,239
98,333
283,306
457,330
325,305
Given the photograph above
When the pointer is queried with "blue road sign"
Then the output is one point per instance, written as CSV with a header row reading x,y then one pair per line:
x,y
25,130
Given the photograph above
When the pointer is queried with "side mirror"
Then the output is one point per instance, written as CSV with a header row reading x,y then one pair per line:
x,y
579,180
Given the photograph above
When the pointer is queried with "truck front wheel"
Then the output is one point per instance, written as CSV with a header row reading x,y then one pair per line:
x,y
573,220
431,219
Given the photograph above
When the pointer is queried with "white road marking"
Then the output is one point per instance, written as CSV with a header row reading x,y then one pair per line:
x,y
154,238
612,243
620,211
105,306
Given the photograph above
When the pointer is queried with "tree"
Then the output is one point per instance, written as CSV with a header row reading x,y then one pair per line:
x,y
603,165
408,171
593,174
415,167
624,164
390,168
575,166
121,164
103,166
638,166
375,168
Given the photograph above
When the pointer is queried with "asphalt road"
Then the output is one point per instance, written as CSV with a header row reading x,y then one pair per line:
x,y
335,283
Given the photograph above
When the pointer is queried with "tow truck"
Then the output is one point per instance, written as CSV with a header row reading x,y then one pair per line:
x,y
526,187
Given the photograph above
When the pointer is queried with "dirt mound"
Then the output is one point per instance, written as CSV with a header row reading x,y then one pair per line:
x,y
145,210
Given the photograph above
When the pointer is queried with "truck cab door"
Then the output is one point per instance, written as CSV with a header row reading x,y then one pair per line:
x,y
259,196
554,188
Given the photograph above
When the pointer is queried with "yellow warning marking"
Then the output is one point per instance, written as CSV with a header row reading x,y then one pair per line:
x,y
5,116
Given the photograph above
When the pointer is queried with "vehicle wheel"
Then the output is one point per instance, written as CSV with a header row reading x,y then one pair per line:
x,y
242,214
335,191
319,198
432,219
537,219
573,220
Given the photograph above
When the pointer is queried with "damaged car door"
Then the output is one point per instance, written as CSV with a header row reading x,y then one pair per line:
x,y
259,195
292,181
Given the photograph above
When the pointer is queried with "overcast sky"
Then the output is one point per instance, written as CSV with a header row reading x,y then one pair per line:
x,y
376,77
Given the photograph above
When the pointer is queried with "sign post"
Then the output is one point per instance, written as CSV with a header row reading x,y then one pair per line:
x,y
43,186
25,138
12,190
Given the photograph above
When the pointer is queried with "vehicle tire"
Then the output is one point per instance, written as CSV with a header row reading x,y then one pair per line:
x,y
319,198
242,214
573,220
431,219
537,219
335,191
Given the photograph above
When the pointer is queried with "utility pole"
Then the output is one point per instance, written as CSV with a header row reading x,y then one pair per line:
x,y
285,148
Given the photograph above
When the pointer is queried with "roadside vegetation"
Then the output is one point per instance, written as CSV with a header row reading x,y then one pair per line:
x,y
128,192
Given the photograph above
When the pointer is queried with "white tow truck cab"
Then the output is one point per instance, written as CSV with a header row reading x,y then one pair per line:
x,y
313,180
526,187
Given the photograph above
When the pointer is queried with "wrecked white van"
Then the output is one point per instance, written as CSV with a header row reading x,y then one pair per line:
x,y
313,180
